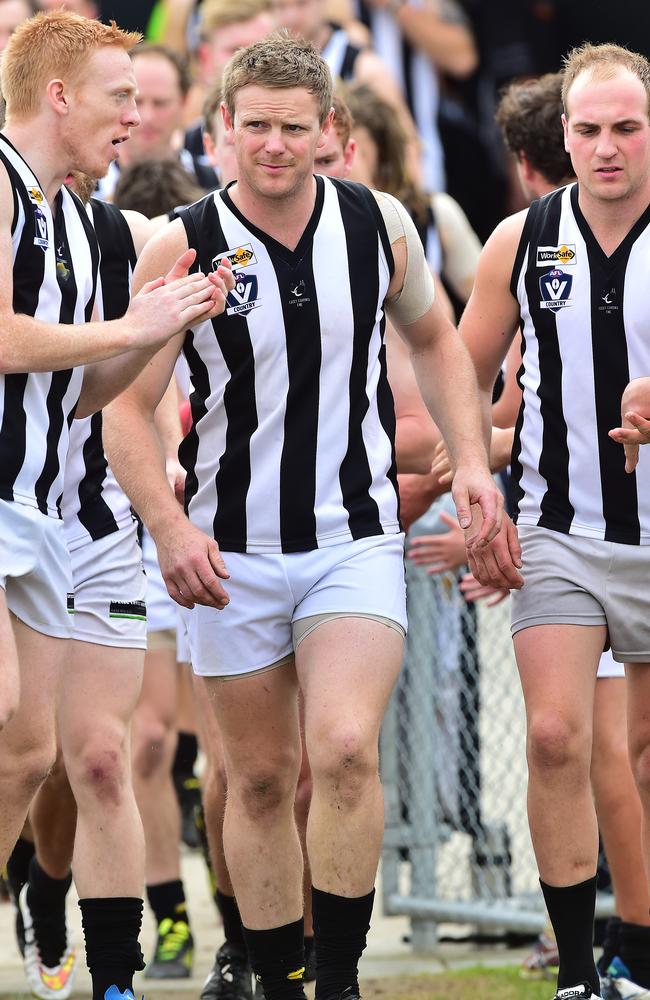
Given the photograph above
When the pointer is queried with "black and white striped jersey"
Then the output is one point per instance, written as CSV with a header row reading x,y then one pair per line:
x,y
292,444
93,504
55,261
418,81
340,54
586,333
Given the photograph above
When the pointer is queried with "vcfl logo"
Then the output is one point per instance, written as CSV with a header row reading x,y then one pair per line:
x,y
555,287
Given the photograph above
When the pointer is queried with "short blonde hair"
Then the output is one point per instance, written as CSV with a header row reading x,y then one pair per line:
x,y
52,46
279,61
215,14
603,62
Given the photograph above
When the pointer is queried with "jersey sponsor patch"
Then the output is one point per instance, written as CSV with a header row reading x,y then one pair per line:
x,y
243,296
128,609
40,238
239,257
70,603
564,254
555,287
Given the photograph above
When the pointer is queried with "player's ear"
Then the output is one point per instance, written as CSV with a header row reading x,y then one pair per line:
x,y
228,122
324,129
565,126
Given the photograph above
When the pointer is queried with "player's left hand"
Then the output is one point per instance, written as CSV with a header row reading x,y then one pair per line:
x,y
635,433
440,553
474,487
497,563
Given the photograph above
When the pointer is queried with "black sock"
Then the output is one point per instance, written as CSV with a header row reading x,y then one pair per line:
x,y
167,899
232,925
611,944
278,960
571,909
46,901
309,946
18,866
340,928
634,950
187,749
111,929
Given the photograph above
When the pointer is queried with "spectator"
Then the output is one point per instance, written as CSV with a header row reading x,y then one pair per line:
x,y
152,187
12,13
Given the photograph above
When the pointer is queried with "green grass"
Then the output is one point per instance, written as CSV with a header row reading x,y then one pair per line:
x,y
475,983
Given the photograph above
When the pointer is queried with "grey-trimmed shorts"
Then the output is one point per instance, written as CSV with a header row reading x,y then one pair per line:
x,y
574,580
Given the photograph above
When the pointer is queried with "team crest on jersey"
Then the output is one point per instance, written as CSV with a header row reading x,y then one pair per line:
x,y
564,254
239,257
298,293
243,296
555,287
40,223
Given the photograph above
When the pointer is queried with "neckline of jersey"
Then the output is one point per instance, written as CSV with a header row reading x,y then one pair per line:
x,y
274,247
593,246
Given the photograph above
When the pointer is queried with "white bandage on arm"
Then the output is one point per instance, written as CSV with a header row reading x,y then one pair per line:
x,y
418,291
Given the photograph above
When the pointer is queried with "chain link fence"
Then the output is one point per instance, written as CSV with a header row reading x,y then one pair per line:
x,y
457,846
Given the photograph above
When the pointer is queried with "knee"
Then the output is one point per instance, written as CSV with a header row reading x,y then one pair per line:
x,y
265,788
152,746
100,772
556,742
29,765
344,763
640,761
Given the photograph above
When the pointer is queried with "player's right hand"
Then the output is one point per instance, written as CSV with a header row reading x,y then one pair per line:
x,y
192,566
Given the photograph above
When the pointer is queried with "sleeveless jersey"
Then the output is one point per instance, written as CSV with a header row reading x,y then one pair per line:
x,y
586,333
54,278
93,504
291,447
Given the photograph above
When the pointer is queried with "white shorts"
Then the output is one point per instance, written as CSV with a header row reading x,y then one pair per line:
x,y
270,591
608,667
35,568
109,588
162,611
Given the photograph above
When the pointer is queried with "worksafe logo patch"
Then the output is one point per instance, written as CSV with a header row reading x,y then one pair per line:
x,y
239,257
564,254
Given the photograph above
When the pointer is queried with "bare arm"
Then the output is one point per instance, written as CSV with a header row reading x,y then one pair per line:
x,y
204,296
31,345
190,561
416,434
445,375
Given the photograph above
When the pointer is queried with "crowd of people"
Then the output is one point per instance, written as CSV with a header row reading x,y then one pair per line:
x,y
235,255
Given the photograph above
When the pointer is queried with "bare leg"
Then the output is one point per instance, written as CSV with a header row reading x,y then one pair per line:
x,y
54,820
638,699
617,801
557,666
27,742
9,670
261,842
100,689
154,742
347,669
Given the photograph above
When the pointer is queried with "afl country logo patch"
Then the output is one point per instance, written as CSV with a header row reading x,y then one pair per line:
x,y
555,287
40,229
564,254
243,296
